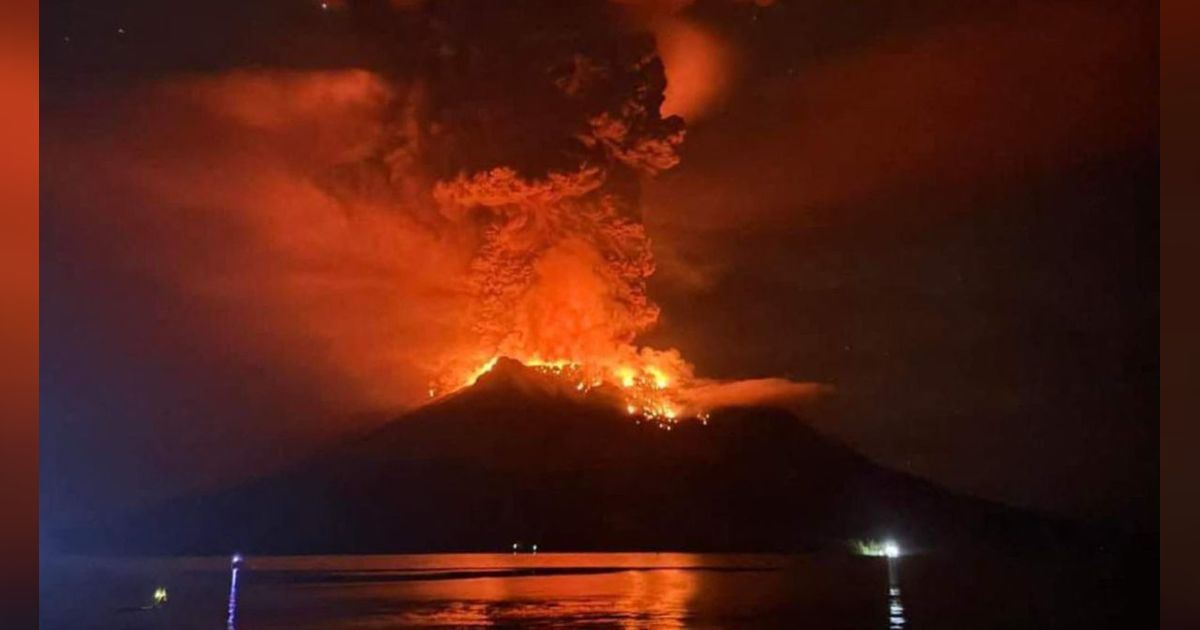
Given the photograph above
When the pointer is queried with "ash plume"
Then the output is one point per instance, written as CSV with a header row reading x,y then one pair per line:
x,y
533,140
472,190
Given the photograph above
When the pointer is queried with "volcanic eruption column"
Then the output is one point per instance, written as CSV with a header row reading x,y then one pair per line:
x,y
536,140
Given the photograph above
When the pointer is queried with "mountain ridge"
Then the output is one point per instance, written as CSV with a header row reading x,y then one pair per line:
x,y
522,456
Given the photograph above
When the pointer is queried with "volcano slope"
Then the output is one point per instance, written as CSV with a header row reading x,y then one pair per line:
x,y
521,457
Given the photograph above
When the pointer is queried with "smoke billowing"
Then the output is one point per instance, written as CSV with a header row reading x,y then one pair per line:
x,y
362,237
551,193
258,217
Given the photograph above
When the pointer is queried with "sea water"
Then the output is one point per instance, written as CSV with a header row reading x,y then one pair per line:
x,y
618,590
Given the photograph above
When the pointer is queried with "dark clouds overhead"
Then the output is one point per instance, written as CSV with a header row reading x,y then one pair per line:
x,y
951,215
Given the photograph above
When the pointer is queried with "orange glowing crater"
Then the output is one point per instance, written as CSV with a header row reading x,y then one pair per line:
x,y
649,386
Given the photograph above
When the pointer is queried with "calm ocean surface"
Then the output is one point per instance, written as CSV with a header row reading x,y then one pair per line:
x,y
634,590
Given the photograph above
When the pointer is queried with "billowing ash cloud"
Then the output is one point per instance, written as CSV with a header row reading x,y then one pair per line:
x,y
529,140
562,260
473,191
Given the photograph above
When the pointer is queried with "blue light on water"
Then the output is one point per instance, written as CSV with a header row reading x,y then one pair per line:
x,y
231,619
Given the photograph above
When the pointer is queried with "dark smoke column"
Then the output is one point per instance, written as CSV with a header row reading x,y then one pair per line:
x,y
534,121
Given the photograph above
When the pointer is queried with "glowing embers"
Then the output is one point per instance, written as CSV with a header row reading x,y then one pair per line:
x,y
566,370
648,393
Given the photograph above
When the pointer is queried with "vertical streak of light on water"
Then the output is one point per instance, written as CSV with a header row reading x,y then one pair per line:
x,y
896,618
231,620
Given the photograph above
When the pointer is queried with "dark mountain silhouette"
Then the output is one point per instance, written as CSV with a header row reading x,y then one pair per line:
x,y
520,456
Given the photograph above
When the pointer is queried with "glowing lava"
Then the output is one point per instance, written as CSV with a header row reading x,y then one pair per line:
x,y
648,391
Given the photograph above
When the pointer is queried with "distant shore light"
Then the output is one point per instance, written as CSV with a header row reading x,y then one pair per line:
x,y
877,548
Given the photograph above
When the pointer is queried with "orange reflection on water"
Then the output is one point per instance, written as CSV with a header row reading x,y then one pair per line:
x,y
621,590
661,596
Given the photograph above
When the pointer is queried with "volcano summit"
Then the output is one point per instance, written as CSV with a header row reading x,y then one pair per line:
x,y
523,456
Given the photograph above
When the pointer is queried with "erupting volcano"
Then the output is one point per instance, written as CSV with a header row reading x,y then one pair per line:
x,y
501,284
646,393
472,189
558,279
523,455
542,183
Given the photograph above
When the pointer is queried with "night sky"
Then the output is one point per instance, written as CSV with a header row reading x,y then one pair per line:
x,y
947,211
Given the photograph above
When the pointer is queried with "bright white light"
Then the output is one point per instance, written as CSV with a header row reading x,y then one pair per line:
x,y
891,549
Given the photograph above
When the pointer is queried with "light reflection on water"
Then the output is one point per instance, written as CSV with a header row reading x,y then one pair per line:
x,y
231,617
634,599
615,590
636,590
895,610
896,618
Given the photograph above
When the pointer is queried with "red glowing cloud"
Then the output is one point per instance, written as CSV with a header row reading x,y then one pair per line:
x,y
952,106
387,238
698,66
229,187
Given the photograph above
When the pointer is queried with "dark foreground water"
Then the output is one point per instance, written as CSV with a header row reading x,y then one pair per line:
x,y
634,590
